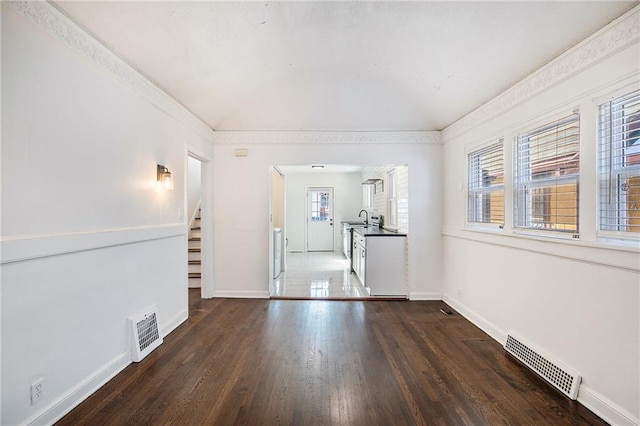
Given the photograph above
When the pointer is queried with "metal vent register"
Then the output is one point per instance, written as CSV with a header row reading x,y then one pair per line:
x,y
564,379
146,335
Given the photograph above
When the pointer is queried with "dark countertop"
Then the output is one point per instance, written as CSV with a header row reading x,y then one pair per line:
x,y
352,222
377,232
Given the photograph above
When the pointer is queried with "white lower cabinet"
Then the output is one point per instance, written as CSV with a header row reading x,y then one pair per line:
x,y
381,264
359,253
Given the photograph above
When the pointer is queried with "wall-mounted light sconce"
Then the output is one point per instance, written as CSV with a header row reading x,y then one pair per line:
x,y
317,166
164,177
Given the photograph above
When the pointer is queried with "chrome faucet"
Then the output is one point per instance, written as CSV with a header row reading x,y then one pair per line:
x,y
366,216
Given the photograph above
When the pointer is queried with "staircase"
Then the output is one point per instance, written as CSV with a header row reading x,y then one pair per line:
x,y
195,244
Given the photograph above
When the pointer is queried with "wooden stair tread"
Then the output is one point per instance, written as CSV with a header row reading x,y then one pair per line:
x,y
194,249
195,262
195,239
196,228
195,275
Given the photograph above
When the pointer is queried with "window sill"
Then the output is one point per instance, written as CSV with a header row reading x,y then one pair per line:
x,y
608,241
616,240
489,228
546,235
619,256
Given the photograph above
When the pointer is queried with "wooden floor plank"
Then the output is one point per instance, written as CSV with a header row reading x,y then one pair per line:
x,y
294,362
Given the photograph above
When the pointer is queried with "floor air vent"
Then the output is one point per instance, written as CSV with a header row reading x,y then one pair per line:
x,y
564,379
146,335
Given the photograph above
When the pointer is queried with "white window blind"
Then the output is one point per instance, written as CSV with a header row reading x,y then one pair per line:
x,y
619,170
486,185
547,167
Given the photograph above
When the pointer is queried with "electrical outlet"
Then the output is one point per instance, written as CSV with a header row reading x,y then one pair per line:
x,y
36,391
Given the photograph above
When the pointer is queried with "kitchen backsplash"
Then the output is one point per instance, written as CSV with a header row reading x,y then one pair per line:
x,y
380,197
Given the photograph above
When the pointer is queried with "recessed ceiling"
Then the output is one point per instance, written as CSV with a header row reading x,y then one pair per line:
x,y
342,66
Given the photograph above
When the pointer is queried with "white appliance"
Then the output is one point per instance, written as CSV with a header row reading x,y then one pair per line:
x,y
277,252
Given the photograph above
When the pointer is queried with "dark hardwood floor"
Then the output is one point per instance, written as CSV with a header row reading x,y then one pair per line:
x,y
292,362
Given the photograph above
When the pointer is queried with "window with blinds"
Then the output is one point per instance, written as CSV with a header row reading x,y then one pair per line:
x,y
547,167
619,164
486,185
392,199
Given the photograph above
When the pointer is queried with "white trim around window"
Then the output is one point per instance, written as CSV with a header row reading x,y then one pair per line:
x,y
619,167
546,178
485,185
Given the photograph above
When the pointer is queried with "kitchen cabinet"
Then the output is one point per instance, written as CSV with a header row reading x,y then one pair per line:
x,y
380,262
359,257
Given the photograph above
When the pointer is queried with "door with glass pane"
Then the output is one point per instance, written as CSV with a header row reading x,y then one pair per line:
x,y
320,219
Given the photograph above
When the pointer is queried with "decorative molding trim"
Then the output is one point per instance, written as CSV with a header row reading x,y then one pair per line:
x,y
299,137
69,400
20,249
616,36
604,408
418,295
626,258
242,294
61,27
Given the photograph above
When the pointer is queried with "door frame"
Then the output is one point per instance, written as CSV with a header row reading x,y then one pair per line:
x,y
307,214
283,227
207,282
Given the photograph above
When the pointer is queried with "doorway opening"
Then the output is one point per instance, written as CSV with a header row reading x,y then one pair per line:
x,y
199,209
319,220
194,217
316,257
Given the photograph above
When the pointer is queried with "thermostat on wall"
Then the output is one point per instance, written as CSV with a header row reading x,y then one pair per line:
x,y
241,152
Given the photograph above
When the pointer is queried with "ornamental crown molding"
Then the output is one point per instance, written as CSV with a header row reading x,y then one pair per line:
x,y
324,137
611,39
58,25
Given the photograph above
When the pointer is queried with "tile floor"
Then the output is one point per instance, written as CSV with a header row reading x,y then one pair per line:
x,y
317,275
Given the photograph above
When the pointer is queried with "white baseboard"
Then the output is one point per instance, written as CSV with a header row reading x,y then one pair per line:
x,y
496,333
242,294
604,408
594,401
416,295
174,322
68,401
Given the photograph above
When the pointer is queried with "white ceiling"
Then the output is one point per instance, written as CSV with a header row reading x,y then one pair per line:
x,y
348,66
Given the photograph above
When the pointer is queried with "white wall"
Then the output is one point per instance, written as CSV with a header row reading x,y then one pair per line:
x,y
347,194
242,229
578,301
87,237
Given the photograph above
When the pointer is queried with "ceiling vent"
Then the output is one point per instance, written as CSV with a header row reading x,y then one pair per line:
x,y
145,332
566,380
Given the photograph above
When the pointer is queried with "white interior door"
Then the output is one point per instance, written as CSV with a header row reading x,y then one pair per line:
x,y
320,219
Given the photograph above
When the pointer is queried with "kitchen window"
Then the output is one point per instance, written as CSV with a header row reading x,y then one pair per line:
x,y
619,164
485,186
546,176
392,199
